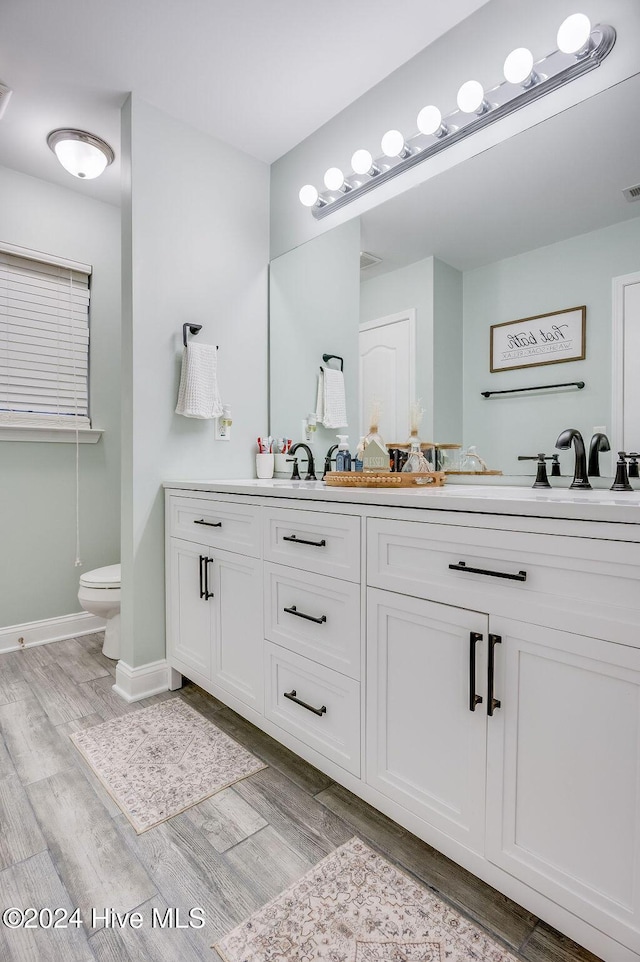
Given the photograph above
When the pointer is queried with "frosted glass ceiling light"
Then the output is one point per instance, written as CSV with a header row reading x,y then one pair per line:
x,y
522,85
82,154
518,68
471,98
362,163
430,122
393,145
574,35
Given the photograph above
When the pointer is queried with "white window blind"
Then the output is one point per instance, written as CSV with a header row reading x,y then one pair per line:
x,y
44,341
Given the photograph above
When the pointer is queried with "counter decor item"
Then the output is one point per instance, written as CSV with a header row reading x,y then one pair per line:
x,y
417,461
472,463
542,339
264,466
381,479
447,457
375,457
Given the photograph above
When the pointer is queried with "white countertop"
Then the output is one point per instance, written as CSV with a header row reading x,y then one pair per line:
x,y
597,505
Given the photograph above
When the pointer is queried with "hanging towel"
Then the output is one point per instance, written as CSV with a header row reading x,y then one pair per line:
x,y
198,395
331,407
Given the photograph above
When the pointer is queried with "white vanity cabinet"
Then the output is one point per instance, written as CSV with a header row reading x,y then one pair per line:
x,y
475,676
214,597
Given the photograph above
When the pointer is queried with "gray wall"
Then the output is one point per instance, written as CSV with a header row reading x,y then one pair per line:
x,y
475,48
447,350
195,248
37,479
568,274
314,294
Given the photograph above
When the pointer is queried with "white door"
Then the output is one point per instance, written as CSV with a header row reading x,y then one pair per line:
x,y
626,351
236,584
426,746
563,786
387,372
189,637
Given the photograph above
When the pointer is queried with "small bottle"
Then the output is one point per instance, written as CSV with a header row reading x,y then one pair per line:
x,y
343,457
357,464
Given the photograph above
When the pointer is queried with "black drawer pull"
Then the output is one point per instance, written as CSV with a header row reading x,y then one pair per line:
x,y
492,703
300,614
462,566
209,524
291,695
474,699
315,544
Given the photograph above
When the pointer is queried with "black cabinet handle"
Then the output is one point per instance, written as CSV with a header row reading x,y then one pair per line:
x,y
300,614
462,566
202,560
315,544
209,524
291,695
205,564
492,703
474,699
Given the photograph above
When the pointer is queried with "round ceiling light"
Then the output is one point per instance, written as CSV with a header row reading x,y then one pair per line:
x,y
308,195
573,35
82,154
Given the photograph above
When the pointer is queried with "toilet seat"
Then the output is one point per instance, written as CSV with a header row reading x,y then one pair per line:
x,y
108,577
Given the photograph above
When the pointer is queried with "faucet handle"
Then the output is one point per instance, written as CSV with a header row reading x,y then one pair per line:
x,y
295,474
621,481
633,464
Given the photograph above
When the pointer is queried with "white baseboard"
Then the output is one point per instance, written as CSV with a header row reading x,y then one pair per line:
x,y
44,632
134,684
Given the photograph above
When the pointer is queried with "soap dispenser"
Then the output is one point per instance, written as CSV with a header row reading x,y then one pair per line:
x,y
343,457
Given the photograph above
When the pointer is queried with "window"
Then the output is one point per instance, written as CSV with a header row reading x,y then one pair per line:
x,y
44,341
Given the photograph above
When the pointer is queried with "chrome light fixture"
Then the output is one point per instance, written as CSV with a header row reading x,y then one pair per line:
x,y
82,154
580,49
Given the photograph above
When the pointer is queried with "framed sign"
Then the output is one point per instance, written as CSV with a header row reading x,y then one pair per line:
x,y
543,339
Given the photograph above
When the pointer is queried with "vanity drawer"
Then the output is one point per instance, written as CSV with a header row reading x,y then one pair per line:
x,y
229,525
328,544
329,719
583,585
313,615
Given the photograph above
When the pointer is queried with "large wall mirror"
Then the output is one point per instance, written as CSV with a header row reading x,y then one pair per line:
x,y
535,225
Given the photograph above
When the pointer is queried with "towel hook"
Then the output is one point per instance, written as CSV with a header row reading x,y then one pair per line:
x,y
193,329
328,357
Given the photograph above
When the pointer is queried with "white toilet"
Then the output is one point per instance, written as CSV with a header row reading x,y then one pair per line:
x,y
99,594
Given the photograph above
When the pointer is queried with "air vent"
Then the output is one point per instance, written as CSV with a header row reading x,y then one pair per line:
x,y
5,97
630,193
368,260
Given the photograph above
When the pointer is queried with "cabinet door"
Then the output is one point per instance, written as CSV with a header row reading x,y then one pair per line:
x,y
425,748
237,626
563,790
189,636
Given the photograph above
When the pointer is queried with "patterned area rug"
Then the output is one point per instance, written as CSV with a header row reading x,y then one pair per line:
x,y
159,761
355,906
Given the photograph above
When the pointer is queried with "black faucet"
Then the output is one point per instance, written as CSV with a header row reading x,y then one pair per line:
x,y
633,464
311,472
328,459
541,481
564,442
621,481
599,442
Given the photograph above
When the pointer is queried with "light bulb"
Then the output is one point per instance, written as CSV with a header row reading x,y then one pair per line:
x,y
430,121
471,97
362,162
574,33
333,178
393,144
308,195
518,66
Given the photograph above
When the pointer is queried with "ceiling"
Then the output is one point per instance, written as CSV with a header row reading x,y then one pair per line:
x,y
558,179
260,75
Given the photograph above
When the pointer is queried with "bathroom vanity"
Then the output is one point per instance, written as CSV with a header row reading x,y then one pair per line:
x,y
466,659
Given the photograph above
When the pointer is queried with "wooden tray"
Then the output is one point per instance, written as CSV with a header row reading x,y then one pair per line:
x,y
476,473
391,479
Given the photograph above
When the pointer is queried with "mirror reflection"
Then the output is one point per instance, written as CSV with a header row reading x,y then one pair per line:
x,y
408,293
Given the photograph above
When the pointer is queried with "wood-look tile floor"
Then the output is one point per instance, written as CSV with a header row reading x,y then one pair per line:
x,y
64,843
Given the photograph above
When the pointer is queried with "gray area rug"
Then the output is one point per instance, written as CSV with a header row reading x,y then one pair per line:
x,y
355,906
160,761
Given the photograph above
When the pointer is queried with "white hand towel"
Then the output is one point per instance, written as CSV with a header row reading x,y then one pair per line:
x,y
198,395
331,395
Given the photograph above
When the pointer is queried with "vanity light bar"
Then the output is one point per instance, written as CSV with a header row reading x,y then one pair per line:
x,y
580,50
